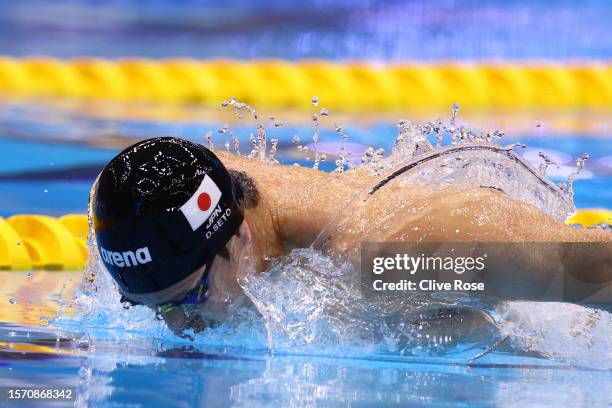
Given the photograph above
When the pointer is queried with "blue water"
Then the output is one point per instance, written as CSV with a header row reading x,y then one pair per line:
x,y
124,358
50,152
58,151
192,376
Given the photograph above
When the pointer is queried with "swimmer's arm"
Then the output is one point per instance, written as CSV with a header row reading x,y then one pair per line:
x,y
483,215
592,266
493,217
476,215
554,271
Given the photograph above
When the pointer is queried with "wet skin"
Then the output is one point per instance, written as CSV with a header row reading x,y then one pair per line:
x,y
297,203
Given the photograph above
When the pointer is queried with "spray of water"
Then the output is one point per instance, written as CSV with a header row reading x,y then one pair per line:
x,y
580,161
546,162
472,159
209,143
309,301
342,162
235,143
315,140
259,144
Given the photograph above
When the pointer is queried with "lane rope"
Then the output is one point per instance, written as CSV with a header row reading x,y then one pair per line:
x,y
284,84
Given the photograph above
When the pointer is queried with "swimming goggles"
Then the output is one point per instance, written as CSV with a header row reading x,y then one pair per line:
x,y
195,296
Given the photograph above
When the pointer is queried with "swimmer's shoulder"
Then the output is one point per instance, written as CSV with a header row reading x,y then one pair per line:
x,y
279,174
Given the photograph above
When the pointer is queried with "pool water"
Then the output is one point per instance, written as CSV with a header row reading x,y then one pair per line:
x,y
57,148
53,333
142,373
152,369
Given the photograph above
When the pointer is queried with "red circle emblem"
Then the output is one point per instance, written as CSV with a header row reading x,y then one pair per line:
x,y
204,201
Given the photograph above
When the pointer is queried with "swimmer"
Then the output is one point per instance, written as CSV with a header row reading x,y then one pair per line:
x,y
177,225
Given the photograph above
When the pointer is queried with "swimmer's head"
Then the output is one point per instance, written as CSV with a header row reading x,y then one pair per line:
x,y
162,210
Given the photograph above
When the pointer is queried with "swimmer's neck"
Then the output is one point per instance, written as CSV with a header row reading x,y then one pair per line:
x,y
296,202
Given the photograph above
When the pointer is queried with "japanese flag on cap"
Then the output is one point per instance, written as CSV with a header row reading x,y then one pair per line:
x,y
202,203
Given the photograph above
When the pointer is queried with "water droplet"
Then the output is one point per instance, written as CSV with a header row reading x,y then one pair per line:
x,y
452,128
29,275
232,100
411,140
580,161
324,112
498,134
208,138
45,191
514,145
296,139
273,147
315,100
12,301
546,162
18,243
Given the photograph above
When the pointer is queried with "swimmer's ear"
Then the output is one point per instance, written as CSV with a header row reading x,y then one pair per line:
x,y
244,233
224,253
243,237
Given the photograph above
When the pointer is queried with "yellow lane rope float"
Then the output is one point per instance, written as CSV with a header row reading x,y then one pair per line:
x,y
42,242
342,86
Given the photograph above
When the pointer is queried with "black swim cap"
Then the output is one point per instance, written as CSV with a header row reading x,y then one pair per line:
x,y
162,209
